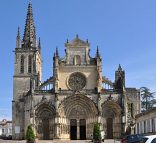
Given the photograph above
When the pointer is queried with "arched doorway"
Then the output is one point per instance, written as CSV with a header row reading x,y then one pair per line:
x,y
79,109
111,113
45,115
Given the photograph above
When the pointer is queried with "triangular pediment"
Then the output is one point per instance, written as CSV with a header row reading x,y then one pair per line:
x,y
77,42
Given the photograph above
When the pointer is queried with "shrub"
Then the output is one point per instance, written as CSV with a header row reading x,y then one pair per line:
x,y
30,136
96,132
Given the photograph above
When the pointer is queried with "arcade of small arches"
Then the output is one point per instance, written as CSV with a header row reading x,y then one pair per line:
x,y
75,118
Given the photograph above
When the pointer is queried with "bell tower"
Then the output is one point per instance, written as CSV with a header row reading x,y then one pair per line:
x,y
119,79
27,71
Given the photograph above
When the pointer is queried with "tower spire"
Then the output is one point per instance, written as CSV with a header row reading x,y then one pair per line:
x,y
97,52
119,68
29,38
18,39
57,54
39,43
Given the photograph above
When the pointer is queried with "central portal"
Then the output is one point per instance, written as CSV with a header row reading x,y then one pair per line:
x,y
78,129
80,113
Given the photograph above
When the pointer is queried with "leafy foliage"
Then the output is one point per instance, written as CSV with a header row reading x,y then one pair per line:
x,y
30,136
96,132
147,98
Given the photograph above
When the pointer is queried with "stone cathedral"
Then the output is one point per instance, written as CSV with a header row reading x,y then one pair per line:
x,y
74,98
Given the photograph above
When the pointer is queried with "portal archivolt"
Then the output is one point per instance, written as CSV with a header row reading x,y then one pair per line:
x,y
79,104
81,114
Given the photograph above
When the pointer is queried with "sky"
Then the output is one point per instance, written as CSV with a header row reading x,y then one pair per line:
x,y
125,32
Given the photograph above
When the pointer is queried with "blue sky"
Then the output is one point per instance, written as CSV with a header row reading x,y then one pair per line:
x,y
125,32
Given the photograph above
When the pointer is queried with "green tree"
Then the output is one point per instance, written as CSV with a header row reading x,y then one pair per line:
x,y
146,98
30,136
96,132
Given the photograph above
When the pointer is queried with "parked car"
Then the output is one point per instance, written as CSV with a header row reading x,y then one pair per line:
x,y
149,139
133,139
9,137
4,137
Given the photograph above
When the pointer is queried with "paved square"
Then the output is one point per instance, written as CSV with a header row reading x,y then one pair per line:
x,y
57,141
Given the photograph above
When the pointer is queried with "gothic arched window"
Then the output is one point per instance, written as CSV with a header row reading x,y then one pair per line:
x,y
29,64
22,64
77,60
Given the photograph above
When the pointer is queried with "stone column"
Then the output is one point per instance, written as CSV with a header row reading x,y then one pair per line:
x,y
57,127
78,129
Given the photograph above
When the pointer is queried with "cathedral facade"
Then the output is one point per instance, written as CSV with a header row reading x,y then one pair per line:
x,y
74,98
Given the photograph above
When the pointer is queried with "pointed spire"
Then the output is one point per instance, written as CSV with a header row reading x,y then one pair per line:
x,y
87,40
18,32
119,68
77,36
18,39
29,38
54,56
97,52
39,43
57,54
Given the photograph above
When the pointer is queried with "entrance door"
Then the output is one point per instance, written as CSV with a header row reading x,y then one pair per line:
x,y
109,128
45,129
73,129
82,129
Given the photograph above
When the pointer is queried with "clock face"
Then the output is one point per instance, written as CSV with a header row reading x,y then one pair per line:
x,y
77,81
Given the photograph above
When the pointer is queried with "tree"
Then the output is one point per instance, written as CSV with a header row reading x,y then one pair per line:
x,y
153,102
147,96
30,136
96,132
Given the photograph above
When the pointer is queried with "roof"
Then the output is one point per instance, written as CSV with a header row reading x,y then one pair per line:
x,y
4,122
77,42
131,89
146,112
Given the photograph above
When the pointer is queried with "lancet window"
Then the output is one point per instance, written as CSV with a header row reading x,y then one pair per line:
x,y
30,64
22,64
77,60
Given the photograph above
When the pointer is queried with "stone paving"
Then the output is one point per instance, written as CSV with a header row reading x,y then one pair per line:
x,y
58,141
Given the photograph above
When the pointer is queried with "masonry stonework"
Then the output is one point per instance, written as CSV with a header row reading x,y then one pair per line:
x,y
74,98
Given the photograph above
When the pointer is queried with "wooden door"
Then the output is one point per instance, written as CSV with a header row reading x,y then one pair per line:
x,y
109,128
45,129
